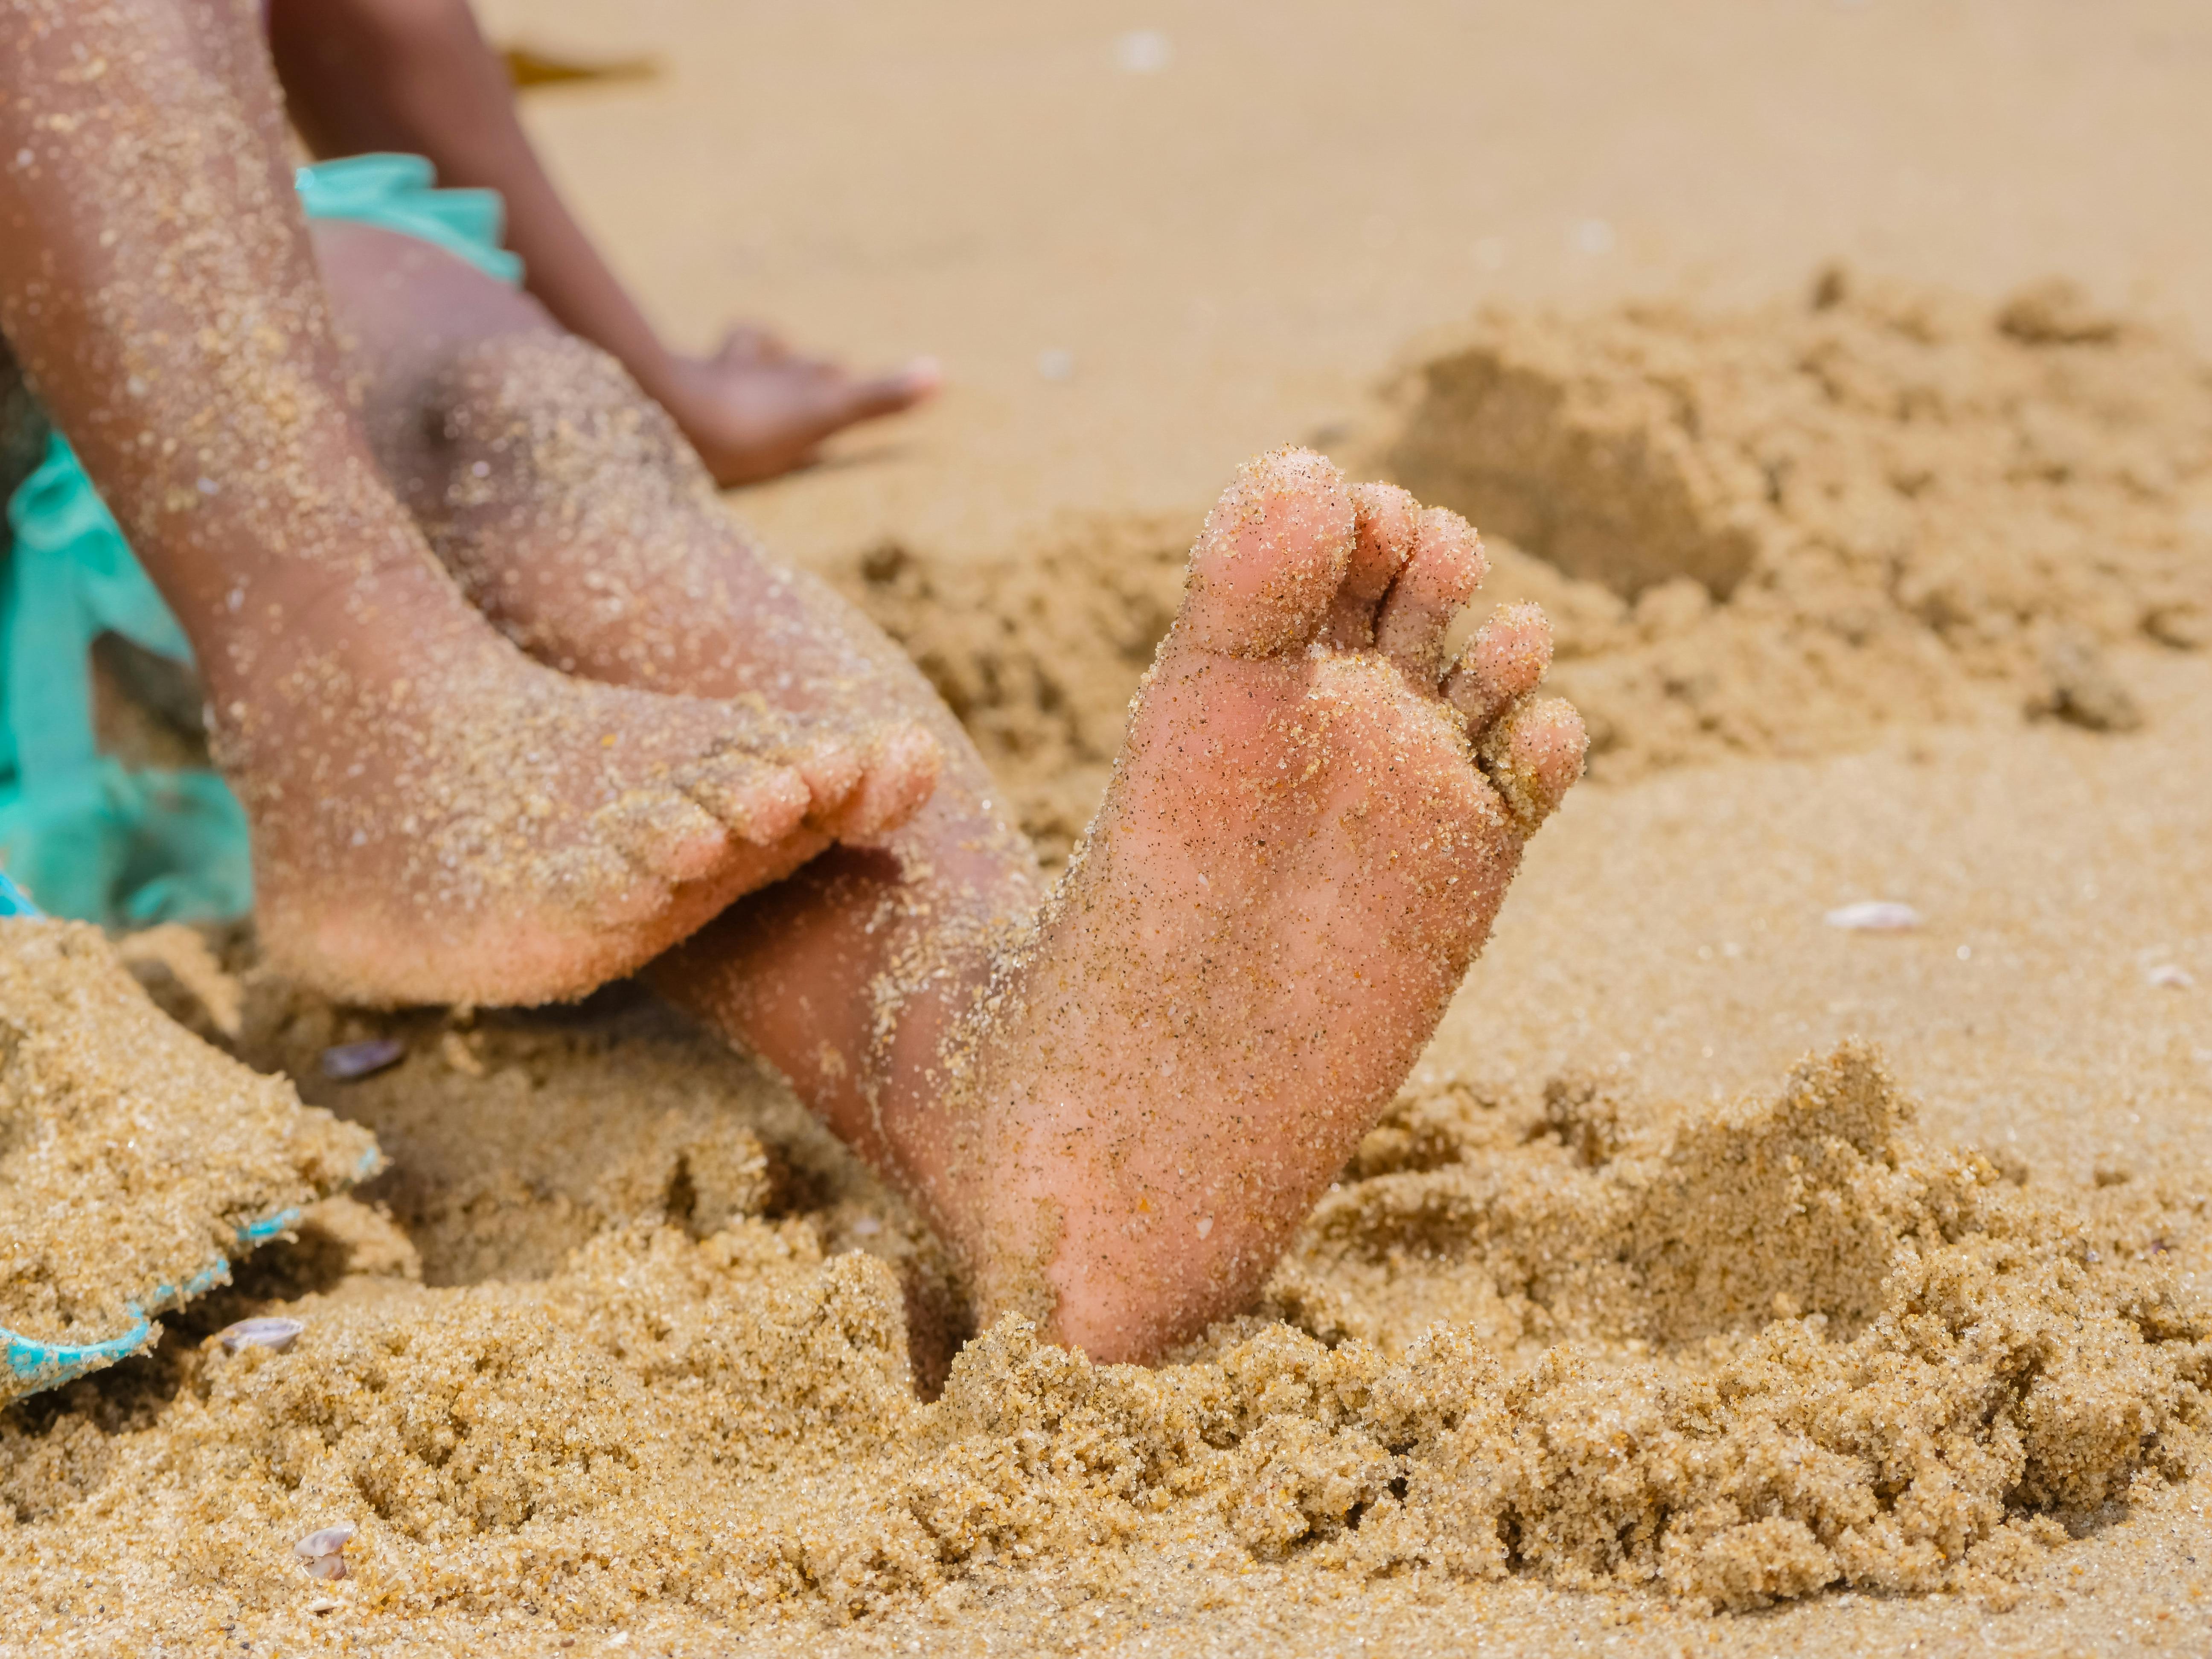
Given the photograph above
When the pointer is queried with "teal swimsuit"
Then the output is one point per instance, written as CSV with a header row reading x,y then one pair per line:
x,y
87,838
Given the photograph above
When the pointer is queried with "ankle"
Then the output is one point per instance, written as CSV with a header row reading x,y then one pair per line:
x,y
289,550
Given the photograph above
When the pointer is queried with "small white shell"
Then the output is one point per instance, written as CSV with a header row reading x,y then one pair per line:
x,y
278,1335
324,1551
350,1060
1874,916
2171,973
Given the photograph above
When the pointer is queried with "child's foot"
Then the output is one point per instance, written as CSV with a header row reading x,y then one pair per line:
x,y
1308,834
436,818
755,409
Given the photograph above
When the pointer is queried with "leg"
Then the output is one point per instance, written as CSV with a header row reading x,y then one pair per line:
x,y
435,816
547,481
417,75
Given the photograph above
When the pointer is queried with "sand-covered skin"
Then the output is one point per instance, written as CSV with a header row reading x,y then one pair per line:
x,y
131,1153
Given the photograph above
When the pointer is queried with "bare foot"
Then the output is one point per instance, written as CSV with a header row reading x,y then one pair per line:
x,y
756,409
1120,1105
436,818
1303,848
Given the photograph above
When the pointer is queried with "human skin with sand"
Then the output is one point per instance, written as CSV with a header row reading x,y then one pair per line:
x,y
418,76
435,815
1307,836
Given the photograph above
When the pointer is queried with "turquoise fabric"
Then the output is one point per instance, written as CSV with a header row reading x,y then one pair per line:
x,y
400,192
94,840
32,1365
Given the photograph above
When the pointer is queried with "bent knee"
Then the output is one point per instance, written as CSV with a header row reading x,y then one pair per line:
x,y
558,408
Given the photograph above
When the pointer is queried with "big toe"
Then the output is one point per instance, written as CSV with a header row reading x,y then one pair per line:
x,y
1274,551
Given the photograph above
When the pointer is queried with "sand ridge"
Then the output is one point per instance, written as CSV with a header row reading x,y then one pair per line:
x,y
1737,1356
132,1153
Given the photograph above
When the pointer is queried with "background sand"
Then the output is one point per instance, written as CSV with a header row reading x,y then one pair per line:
x,y
1232,249
1233,252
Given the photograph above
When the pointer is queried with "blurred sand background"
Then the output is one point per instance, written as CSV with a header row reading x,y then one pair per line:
x,y
1232,248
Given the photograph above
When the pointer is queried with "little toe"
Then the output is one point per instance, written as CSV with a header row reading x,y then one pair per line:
x,y
1504,662
665,834
1533,754
756,800
1385,521
898,777
1268,565
1446,566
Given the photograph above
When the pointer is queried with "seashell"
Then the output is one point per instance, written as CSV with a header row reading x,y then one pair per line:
x,y
1874,916
2171,973
323,1551
349,1061
276,1334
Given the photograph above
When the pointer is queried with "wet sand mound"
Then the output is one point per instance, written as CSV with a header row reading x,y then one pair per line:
x,y
132,1154
1785,526
1734,1355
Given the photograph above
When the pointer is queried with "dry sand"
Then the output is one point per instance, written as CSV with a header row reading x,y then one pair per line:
x,y
1663,1315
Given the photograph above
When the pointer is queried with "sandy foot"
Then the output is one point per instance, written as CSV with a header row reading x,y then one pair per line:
x,y
1301,853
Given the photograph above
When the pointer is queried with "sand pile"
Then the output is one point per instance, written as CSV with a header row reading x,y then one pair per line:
x,y
1774,531
1788,525
1735,1355
132,1154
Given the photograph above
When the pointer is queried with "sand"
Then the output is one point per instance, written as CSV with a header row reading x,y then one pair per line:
x,y
1723,1281
133,1155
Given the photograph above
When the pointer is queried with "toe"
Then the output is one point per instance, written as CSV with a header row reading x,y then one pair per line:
x,y
1385,520
1533,754
1445,568
887,394
665,834
1502,664
756,800
833,769
1274,551
899,776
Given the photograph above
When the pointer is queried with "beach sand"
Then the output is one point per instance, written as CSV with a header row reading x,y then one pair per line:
x,y
1724,1280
